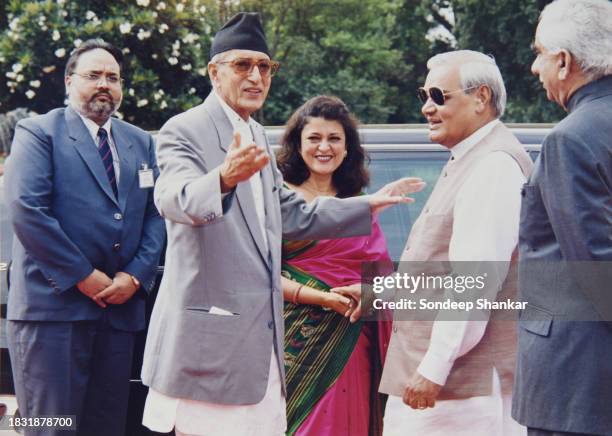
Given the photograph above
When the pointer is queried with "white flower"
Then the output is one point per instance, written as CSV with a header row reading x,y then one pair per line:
x,y
163,27
77,42
119,115
125,27
154,56
17,67
163,105
11,84
207,29
154,14
191,91
35,83
11,74
180,7
30,94
61,2
202,9
172,60
49,69
175,53
14,24
202,71
161,6
190,38
143,102
44,27
64,13
143,3
90,15
60,52
186,67
55,35
176,45
157,96
143,34
19,78
125,50
131,92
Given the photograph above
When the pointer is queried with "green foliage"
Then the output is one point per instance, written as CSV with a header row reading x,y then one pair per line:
x,y
165,44
345,48
370,53
505,29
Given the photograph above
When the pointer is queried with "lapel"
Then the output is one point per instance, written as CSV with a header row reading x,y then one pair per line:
x,y
244,193
86,148
127,161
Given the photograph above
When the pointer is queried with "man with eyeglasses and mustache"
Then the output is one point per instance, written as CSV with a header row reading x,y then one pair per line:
x,y
214,354
79,186
455,376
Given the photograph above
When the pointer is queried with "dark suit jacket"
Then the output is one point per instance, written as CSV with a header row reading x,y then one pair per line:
x,y
68,222
564,364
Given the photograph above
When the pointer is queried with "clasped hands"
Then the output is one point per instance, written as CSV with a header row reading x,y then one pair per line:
x,y
103,290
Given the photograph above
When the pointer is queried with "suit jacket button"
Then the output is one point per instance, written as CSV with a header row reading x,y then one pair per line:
x,y
394,329
118,216
117,246
270,325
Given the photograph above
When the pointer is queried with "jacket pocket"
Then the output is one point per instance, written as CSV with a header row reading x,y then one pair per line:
x,y
536,320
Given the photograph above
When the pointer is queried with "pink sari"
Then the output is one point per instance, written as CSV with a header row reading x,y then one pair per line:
x,y
333,367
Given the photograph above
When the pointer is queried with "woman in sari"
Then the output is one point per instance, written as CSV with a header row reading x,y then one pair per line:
x,y
333,359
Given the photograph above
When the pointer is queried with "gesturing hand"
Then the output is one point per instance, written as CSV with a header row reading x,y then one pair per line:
x,y
354,293
241,163
93,284
394,193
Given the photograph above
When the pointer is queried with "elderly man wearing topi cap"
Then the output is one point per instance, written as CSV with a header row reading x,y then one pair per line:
x,y
214,354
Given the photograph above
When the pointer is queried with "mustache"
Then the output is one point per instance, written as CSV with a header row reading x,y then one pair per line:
x,y
96,95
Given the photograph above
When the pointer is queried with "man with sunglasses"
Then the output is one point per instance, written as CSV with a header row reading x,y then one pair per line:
x,y
214,352
564,361
447,375
88,240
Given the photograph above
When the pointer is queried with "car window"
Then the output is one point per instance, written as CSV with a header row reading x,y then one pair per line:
x,y
386,166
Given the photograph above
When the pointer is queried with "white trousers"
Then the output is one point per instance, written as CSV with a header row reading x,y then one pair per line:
x,y
477,416
199,418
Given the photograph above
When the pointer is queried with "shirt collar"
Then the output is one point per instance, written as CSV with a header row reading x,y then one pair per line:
x,y
93,128
234,118
592,90
468,143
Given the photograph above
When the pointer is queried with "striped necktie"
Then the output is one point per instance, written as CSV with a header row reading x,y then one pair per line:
x,y
107,158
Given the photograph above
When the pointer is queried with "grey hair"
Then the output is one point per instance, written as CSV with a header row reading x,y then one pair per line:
x,y
475,69
582,27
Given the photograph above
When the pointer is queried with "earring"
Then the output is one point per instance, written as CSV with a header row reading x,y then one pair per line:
x,y
345,154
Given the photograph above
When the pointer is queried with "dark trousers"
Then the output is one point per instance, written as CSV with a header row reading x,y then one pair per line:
x,y
78,368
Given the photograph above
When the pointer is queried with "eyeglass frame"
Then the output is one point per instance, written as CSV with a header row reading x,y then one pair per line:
x,y
95,78
427,92
274,66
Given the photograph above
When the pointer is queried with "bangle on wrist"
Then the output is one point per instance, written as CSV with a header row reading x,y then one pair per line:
x,y
296,294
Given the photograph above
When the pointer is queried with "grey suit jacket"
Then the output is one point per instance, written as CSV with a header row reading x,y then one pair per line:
x,y
563,380
216,256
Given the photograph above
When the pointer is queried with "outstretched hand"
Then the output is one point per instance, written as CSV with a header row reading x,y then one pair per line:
x,y
395,193
354,293
241,163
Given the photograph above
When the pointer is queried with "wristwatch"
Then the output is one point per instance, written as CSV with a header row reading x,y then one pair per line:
x,y
135,281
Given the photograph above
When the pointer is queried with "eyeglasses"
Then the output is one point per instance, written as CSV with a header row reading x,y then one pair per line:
x,y
437,95
245,66
111,79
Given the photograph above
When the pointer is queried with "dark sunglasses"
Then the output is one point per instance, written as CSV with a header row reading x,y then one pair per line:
x,y
437,95
245,66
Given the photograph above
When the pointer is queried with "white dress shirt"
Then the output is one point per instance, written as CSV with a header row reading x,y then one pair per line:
x,y
93,128
246,137
485,228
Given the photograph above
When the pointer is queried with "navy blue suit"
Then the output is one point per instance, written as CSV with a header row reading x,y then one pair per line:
x,y
563,381
67,222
